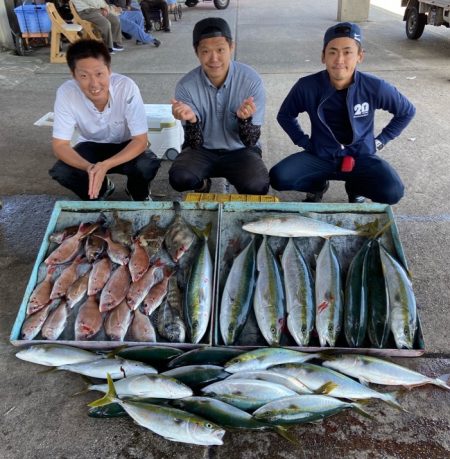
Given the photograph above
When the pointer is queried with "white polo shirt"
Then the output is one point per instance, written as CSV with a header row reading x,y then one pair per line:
x,y
123,117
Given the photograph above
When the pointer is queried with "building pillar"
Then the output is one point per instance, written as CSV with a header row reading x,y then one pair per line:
x,y
353,10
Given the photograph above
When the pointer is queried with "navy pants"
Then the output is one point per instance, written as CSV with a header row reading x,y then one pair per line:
x,y
140,171
371,177
243,168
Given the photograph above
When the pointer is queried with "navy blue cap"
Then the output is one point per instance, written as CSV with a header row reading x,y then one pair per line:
x,y
211,27
343,29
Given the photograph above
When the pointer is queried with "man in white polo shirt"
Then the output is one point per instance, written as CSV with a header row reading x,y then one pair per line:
x,y
107,110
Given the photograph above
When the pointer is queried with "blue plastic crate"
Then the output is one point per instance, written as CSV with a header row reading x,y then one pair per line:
x,y
33,19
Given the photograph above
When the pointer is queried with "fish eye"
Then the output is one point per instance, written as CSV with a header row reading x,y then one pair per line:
x,y
209,425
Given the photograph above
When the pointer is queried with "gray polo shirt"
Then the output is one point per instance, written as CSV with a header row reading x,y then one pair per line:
x,y
216,108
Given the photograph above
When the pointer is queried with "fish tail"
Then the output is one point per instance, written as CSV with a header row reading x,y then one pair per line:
x,y
441,381
110,396
358,408
326,388
284,432
391,401
202,234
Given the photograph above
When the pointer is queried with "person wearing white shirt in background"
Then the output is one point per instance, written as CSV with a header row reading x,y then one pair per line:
x,y
107,110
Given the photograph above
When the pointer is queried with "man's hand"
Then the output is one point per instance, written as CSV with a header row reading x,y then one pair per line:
x,y
247,109
104,11
96,173
182,111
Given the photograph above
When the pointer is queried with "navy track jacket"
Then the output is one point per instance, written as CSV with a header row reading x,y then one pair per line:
x,y
366,94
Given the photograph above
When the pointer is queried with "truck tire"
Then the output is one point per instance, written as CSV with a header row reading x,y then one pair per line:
x,y
221,4
415,23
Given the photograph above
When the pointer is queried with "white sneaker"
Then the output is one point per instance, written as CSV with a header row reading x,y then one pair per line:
x,y
110,187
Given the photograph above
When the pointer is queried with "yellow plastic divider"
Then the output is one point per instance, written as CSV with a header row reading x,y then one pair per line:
x,y
225,197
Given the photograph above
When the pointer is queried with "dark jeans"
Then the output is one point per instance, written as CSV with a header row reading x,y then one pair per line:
x,y
371,176
147,6
243,168
140,171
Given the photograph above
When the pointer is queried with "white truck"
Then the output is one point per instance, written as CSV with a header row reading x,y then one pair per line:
x,y
419,13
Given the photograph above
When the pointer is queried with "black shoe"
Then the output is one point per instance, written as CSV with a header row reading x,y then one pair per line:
x,y
356,199
167,29
110,187
156,43
127,36
117,47
148,198
206,186
111,51
317,197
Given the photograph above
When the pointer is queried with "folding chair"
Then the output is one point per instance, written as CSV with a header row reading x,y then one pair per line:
x,y
89,30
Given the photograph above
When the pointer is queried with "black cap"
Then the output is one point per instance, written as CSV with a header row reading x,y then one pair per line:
x,y
210,27
343,29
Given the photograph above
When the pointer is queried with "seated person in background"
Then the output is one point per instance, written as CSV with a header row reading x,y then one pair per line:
x,y
97,12
222,103
341,103
148,5
132,23
107,110
172,4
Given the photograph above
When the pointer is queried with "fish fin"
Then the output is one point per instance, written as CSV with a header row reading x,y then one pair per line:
x,y
326,388
363,381
326,356
442,381
391,401
110,396
357,407
202,234
114,352
284,432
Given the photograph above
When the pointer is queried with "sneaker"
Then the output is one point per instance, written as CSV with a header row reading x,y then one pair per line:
x,y
356,199
111,51
148,198
156,42
117,47
167,29
110,187
317,197
206,186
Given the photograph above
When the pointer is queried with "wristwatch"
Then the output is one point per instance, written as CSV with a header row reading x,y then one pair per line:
x,y
379,145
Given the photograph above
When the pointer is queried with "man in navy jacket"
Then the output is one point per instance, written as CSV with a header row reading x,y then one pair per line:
x,y
341,104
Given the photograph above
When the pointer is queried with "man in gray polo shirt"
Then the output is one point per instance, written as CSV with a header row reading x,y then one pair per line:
x,y
222,104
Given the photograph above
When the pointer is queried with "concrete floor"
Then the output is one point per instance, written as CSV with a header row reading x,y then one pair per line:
x,y
40,419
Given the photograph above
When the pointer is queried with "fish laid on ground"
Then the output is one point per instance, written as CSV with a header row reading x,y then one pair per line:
x,y
56,322
158,292
295,226
118,368
299,290
141,328
178,238
263,358
378,328
237,294
171,423
315,376
40,297
121,230
117,252
100,273
118,321
89,320
138,290
269,301
370,369
94,247
197,375
356,308
58,236
299,409
33,323
70,247
170,324
205,356
199,290
151,236
329,296
77,290
147,386
403,311
246,394
54,355
67,277
139,260
157,356
116,289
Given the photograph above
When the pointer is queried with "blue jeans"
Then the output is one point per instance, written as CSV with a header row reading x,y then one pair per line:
x,y
371,176
243,168
140,171
132,23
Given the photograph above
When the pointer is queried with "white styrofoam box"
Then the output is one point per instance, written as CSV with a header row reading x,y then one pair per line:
x,y
165,133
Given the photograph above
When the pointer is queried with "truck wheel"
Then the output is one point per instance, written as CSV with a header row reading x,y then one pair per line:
x,y
415,23
191,3
221,4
